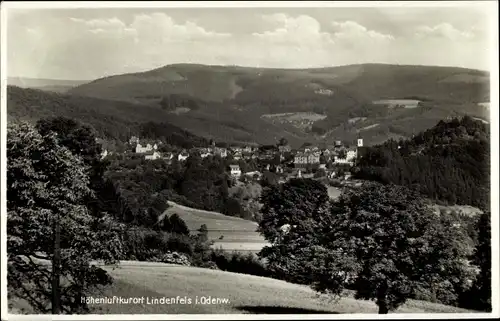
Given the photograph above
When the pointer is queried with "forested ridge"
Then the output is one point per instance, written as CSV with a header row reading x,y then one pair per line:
x,y
449,163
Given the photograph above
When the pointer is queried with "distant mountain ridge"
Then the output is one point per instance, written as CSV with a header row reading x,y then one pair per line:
x,y
246,104
55,85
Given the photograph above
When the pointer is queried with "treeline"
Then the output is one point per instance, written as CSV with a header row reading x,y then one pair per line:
x,y
449,162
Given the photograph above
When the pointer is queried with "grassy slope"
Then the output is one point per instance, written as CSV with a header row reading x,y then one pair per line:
x,y
246,293
239,234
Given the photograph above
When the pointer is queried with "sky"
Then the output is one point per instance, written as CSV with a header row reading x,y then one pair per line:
x,y
84,44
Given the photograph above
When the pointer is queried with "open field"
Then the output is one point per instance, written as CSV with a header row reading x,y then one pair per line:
x,y
407,103
242,293
333,192
238,234
310,116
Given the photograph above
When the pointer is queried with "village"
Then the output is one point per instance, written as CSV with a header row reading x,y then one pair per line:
x,y
309,161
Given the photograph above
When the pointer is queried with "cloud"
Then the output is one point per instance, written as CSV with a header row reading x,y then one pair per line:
x,y
168,29
83,45
352,31
302,30
443,31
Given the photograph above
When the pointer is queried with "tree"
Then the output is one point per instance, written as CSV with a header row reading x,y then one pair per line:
x,y
203,233
292,215
479,297
178,225
283,142
382,240
80,140
47,188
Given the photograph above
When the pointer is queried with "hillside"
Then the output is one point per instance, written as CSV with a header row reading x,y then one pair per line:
x,y
350,96
244,294
118,119
111,119
449,162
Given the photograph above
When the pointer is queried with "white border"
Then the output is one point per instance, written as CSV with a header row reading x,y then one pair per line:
x,y
494,85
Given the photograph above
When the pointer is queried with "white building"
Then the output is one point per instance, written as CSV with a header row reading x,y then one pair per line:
x,y
235,170
139,149
182,157
351,154
152,156
360,142
104,153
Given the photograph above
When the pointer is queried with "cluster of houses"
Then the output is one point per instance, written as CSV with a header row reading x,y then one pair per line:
x,y
301,160
337,155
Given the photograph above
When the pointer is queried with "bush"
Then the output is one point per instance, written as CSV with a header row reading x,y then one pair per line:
x,y
144,244
239,263
175,258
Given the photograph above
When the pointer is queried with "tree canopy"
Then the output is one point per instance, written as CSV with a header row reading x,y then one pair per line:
x,y
383,241
47,183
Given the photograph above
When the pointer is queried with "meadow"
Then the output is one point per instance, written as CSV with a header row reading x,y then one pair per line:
x,y
407,103
229,233
244,293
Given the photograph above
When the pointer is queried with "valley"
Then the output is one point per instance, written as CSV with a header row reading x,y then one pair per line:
x,y
259,105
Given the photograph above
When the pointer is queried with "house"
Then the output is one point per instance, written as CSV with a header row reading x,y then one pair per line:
x,y
182,156
168,156
313,158
235,170
351,154
104,153
237,155
338,160
279,169
205,154
322,166
300,160
152,155
139,149
254,174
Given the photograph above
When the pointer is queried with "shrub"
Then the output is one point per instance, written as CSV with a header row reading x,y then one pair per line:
x,y
239,263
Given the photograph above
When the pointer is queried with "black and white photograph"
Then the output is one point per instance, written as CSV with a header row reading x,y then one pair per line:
x,y
241,159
